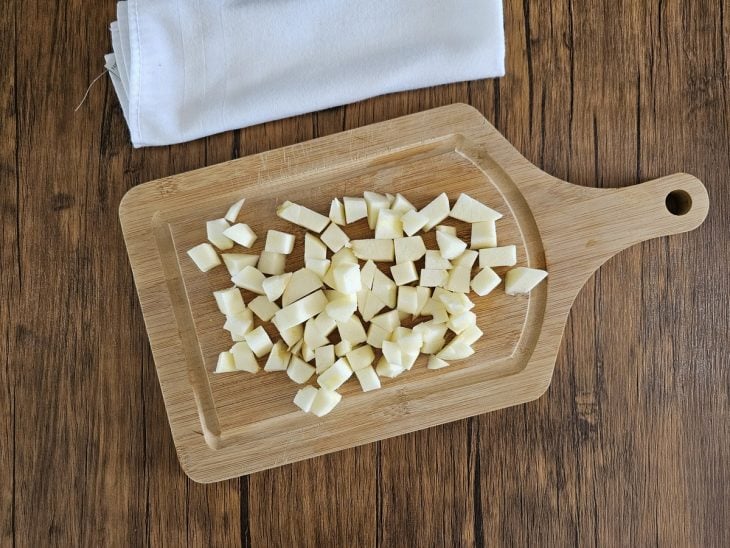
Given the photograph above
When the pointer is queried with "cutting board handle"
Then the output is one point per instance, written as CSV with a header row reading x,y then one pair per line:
x,y
587,226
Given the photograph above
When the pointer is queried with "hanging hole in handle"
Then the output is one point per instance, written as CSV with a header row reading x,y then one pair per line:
x,y
679,202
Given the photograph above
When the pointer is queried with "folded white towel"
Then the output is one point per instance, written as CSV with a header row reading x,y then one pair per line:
x,y
184,69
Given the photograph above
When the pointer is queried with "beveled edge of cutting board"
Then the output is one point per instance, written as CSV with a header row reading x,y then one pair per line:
x,y
481,144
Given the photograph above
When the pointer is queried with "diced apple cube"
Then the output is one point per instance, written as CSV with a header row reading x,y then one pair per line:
x,y
275,286
347,278
368,379
522,280
433,335
466,259
250,278
470,335
313,337
229,300
373,249
375,202
436,309
226,363
279,242
342,348
459,322
455,303
392,352
373,305
298,370
263,308
436,211
413,221
334,237
318,266
434,261
302,216
386,369
302,283
436,363
355,209
484,282
205,257
215,231
258,340
242,234
450,246
451,230
337,212
342,307
407,300
305,398
423,294
459,278
455,350
431,277
351,330
409,249
385,289
483,235
389,225
313,247
239,323
498,256
244,358
344,256
300,311
404,273
336,375
324,323
235,262
401,205
272,263
376,335
306,352
388,321
470,210
278,359
324,402
367,274
292,335
324,357
234,210
361,357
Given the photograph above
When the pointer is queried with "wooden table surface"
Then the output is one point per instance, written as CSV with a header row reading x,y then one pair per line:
x,y
629,447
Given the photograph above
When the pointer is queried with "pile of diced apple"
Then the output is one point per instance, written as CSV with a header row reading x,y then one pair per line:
x,y
341,289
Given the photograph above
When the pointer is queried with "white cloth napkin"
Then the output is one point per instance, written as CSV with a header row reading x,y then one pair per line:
x,y
184,69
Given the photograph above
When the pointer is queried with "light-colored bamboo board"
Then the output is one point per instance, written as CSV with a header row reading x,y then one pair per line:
x,y
228,425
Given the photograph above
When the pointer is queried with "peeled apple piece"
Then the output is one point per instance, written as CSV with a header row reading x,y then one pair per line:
x,y
337,212
423,294
470,210
291,336
302,216
386,369
342,348
368,379
455,350
313,337
522,280
235,262
413,221
324,357
436,363
314,248
375,202
204,256
434,261
355,209
298,370
376,335
407,300
302,283
367,274
401,205
271,263
388,321
275,285
352,331
385,289
278,359
347,278
498,256
460,322
244,358
318,266
433,277
336,375
436,309
433,335
250,278
307,352
279,242
388,225
226,363
215,231
229,300
325,324
234,210
334,237
436,211
305,397
470,335
459,278
300,311
483,235
344,256
486,281
342,307
466,259
448,229
404,273
450,246
242,234
263,308
258,340
361,357
239,323
409,249
324,402
373,249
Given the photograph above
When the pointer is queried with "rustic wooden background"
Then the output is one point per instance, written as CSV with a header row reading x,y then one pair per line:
x,y
629,447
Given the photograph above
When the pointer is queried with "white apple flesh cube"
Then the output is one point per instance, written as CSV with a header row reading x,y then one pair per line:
x,y
344,256
485,282
275,286
279,242
436,211
385,289
375,202
522,280
272,263
446,228
302,216
324,402
234,210
368,379
347,278
337,212
292,335
423,294
313,337
355,209
204,256
250,278
407,300
300,311
263,308
459,278
352,331
341,308
455,350
409,249
460,322
466,259
373,305
302,283
373,249
389,321
436,363
437,310
305,397
307,352
336,375
244,358
239,323
413,221
498,256
325,324
470,335
386,369
401,205
242,234
433,336
324,357
215,234
392,352
449,245
318,266
278,359
235,262
376,335
434,261
404,273
313,247
431,277
483,235
229,300
258,340
298,370
226,363
367,274
469,210
388,226
342,348
361,357
334,237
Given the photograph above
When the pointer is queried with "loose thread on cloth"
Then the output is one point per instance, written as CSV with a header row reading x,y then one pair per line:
x,y
83,99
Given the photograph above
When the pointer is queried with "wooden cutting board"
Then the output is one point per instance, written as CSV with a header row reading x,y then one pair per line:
x,y
229,425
